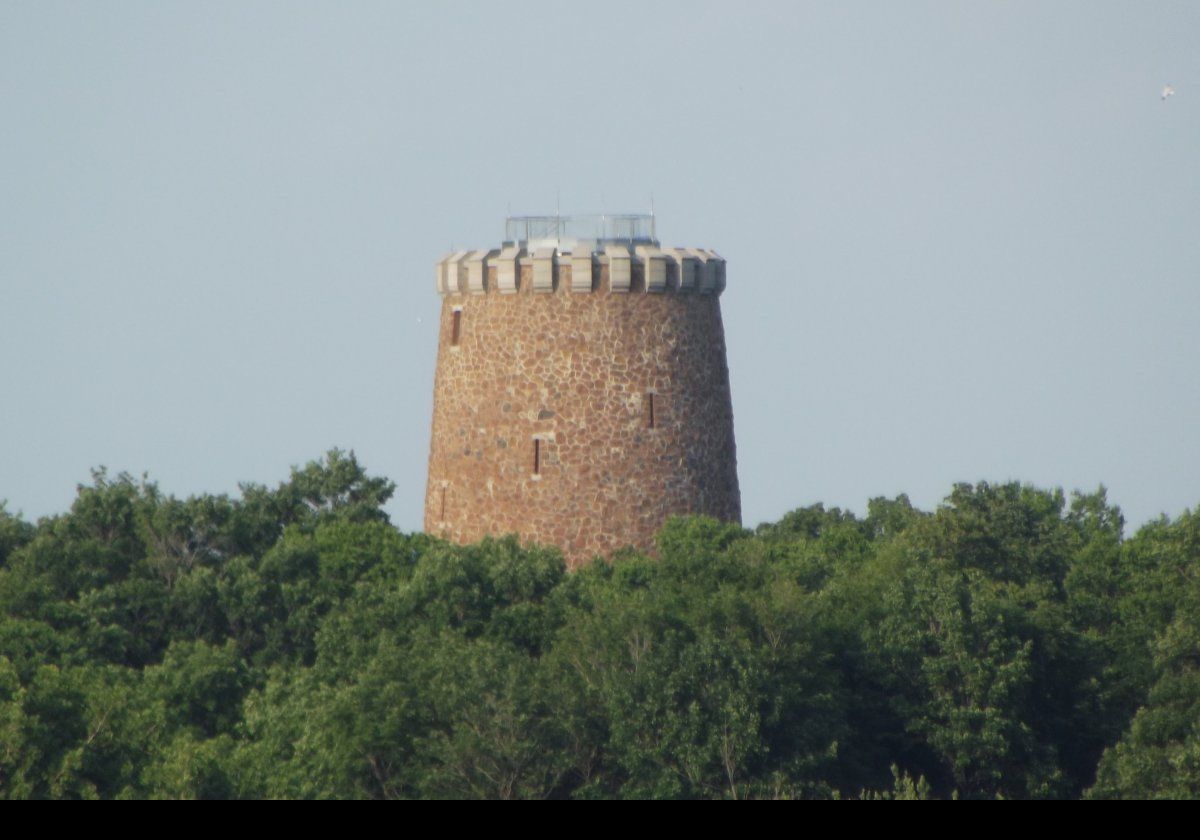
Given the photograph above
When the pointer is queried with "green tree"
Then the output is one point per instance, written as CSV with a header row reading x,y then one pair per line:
x,y
14,533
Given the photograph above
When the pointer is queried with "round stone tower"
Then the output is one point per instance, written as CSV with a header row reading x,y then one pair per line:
x,y
581,394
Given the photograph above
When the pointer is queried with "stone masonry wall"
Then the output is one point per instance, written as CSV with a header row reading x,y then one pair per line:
x,y
621,399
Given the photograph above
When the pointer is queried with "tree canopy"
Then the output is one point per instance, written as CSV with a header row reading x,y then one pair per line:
x,y
289,642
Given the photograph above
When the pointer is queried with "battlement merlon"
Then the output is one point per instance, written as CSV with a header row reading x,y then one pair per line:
x,y
658,270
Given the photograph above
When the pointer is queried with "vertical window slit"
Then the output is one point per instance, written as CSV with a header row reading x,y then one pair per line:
x,y
455,326
537,456
442,517
650,411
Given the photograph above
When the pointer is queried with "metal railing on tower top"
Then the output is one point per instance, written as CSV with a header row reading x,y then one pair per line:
x,y
603,227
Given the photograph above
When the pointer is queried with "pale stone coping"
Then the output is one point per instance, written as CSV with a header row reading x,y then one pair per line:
x,y
506,269
477,272
620,272
581,272
699,269
656,268
446,274
683,258
712,272
543,270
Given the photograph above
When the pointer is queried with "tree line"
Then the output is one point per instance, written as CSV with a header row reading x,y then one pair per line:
x,y
289,642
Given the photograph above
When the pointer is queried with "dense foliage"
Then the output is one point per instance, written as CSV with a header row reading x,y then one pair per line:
x,y
292,643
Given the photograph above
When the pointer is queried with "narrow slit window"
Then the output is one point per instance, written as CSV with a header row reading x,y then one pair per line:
x,y
537,456
443,514
455,327
650,411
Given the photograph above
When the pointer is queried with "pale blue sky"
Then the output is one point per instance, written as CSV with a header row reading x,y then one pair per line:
x,y
962,238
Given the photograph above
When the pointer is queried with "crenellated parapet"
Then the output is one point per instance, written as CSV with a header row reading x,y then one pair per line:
x,y
613,267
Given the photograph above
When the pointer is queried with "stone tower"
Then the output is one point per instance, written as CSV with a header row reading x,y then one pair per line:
x,y
581,394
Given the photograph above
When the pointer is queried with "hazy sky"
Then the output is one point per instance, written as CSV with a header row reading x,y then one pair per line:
x,y
963,239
